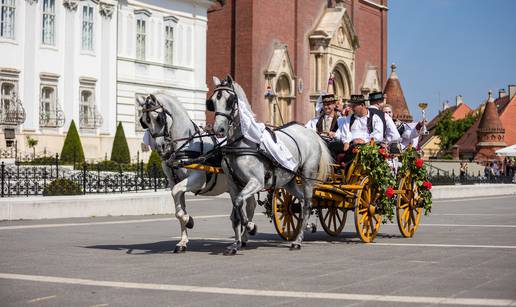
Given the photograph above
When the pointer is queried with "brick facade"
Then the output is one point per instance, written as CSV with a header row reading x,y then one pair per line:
x,y
243,34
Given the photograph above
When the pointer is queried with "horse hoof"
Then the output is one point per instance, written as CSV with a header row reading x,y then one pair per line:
x,y
253,231
179,249
190,223
295,246
244,244
230,251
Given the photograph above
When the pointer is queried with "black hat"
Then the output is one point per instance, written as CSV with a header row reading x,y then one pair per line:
x,y
329,98
357,99
375,96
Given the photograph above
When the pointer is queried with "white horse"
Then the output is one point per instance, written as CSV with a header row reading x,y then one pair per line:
x,y
178,138
250,173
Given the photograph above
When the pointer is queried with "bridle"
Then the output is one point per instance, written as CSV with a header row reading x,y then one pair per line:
x,y
231,102
161,119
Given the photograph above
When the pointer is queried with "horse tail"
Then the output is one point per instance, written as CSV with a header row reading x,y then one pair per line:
x,y
325,168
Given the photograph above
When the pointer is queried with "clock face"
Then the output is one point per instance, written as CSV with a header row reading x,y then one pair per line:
x,y
340,36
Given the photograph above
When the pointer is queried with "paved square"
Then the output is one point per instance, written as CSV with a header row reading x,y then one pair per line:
x,y
464,253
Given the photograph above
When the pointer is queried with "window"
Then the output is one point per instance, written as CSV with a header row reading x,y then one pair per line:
x,y
87,112
87,27
50,114
169,44
7,14
7,96
140,39
49,15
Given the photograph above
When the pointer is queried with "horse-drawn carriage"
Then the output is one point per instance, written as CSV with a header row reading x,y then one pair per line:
x,y
349,188
298,174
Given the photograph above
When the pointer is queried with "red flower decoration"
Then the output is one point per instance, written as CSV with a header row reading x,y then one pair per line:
x,y
384,153
355,150
427,185
389,192
419,163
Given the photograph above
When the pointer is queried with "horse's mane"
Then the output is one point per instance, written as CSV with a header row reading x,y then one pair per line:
x,y
242,97
171,101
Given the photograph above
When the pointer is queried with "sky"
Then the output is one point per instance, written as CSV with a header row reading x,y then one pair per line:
x,y
445,48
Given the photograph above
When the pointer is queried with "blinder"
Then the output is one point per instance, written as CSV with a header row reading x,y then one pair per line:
x,y
209,105
143,124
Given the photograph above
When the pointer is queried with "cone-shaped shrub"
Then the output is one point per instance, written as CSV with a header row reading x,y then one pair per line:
x,y
120,151
154,159
72,144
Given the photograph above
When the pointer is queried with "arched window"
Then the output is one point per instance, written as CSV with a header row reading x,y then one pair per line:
x,y
281,112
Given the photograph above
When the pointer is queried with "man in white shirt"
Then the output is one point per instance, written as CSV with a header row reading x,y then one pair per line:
x,y
392,136
326,123
409,132
360,127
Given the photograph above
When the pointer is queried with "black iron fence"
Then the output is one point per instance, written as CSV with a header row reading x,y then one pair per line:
x,y
438,178
24,180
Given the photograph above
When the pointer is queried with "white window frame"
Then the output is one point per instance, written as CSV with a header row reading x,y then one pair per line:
x,y
88,27
7,99
7,19
141,33
48,22
141,36
168,39
52,105
87,108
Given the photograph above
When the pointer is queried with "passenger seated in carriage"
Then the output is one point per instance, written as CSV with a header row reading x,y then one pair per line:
x,y
409,132
359,128
326,123
392,137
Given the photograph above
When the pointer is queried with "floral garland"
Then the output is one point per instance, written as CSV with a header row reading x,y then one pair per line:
x,y
373,160
412,162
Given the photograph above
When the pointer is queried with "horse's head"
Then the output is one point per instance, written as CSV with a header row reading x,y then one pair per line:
x,y
154,117
224,102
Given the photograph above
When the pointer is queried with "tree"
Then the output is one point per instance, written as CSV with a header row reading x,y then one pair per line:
x,y
32,144
72,147
120,152
450,131
154,159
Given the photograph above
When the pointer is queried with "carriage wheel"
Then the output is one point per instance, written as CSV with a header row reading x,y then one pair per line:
x,y
367,220
287,214
407,212
332,219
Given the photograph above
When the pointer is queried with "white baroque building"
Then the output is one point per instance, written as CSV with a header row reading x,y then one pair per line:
x,y
87,61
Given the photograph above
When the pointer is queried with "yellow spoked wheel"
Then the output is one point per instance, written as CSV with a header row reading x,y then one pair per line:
x,y
287,214
367,220
332,219
407,212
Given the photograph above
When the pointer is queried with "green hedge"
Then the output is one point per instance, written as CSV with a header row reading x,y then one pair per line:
x,y
120,152
109,166
62,187
72,144
40,161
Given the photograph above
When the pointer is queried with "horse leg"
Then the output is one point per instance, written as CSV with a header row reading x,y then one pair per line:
x,y
190,183
252,227
240,215
307,208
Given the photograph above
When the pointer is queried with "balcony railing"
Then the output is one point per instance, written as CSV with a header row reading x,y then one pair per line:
x,y
90,119
52,118
12,112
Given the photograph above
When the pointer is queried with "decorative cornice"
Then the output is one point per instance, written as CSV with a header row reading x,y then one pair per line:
x,y
31,2
71,5
106,9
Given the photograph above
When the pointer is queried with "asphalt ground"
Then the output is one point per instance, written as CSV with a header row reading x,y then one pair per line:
x,y
464,253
